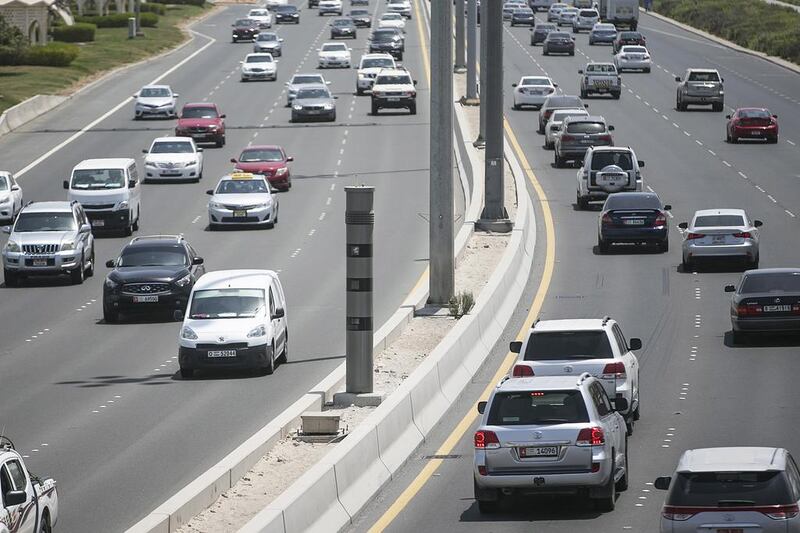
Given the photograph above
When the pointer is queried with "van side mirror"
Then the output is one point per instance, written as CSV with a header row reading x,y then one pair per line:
x,y
197,260
678,79
415,83
774,116
233,160
683,225
279,313
515,346
586,106
482,407
15,187
110,263
66,184
131,184
635,344
662,483
580,71
620,404
15,497
199,150
178,315
730,288
641,164
513,84
757,223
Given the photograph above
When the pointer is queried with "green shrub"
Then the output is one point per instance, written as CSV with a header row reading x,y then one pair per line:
x,y
148,20
461,304
80,32
119,20
158,9
50,55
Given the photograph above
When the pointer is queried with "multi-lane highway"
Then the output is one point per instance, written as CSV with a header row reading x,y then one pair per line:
x,y
100,407
697,388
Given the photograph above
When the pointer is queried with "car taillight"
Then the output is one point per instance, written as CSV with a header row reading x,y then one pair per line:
x,y
680,514
692,236
522,371
661,220
486,440
606,220
743,235
796,309
605,138
566,137
749,310
614,370
593,436
623,57
782,512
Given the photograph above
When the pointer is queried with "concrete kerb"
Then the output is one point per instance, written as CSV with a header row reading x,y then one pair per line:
x,y
719,40
398,436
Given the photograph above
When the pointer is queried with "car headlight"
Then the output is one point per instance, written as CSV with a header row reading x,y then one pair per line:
x,y
190,163
111,284
151,163
214,205
281,171
5,200
328,106
259,331
721,91
122,205
12,246
188,333
67,246
298,108
184,281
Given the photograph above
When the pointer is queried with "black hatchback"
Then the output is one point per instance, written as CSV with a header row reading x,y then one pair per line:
x,y
151,274
633,217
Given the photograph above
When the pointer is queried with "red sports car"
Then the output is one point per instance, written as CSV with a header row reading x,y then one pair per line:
x,y
752,123
202,122
269,160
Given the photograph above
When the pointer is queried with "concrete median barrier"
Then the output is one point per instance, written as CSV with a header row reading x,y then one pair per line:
x,y
398,436
14,117
360,472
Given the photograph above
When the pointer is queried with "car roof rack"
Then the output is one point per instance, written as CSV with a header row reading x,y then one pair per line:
x,y
176,238
606,319
583,377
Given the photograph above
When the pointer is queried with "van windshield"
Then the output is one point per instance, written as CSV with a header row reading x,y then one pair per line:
x,y
111,178
226,303
730,489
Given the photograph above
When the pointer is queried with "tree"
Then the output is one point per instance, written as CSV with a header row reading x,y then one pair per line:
x,y
12,43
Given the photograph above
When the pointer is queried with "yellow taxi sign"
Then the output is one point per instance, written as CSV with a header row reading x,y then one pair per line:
x,y
242,176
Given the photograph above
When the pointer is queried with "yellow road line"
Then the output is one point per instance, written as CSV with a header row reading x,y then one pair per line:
x,y
472,414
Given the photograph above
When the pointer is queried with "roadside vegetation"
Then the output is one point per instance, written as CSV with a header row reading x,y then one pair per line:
x,y
96,45
757,25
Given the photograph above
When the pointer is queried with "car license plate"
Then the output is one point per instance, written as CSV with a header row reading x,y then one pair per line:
x,y
394,98
145,299
730,530
40,262
240,214
719,239
539,451
777,308
313,112
634,222
99,223
755,133
222,353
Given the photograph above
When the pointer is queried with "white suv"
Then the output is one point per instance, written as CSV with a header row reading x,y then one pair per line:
x,y
369,67
573,346
394,89
606,170
550,435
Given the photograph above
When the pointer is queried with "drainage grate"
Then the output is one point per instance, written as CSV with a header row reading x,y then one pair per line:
x,y
450,456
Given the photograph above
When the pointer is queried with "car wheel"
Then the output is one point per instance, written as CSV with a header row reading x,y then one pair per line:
x,y
734,139
270,366
110,316
584,93
647,71
753,264
413,109
285,354
591,42
374,108
11,278
717,107
616,95
663,246
516,107
622,484
727,136
187,373
359,92
485,507
773,140
220,143
583,203
687,266
636,414
76,276
603,245
608,502
90,269
572,53
545,52
135,223
558,161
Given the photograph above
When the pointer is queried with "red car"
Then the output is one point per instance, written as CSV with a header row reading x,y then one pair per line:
x,y
269,160
203,123
752,123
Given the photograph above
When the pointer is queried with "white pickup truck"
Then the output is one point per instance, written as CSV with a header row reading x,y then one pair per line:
x,y
30,504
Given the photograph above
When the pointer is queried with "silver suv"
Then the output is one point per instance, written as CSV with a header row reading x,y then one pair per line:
x,y
49,238
600,78
606,170
731,490
700,87
550,435
578,134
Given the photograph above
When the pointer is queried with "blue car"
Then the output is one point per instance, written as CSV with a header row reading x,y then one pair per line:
x,y
633,217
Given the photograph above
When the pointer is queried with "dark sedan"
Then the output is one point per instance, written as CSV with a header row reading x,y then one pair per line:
x,y
387,40
767,300
361,18
244,30
151,273
558,42
625,38
523,17
540,32
343,27
633,217
287,14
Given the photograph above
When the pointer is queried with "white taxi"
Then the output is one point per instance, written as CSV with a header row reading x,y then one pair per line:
x,y
242,198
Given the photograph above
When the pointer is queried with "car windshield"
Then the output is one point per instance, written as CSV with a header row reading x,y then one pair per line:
x,y
559,116
302,80
602,159
154,93
342,22
199,112
537,408
392,16
771,282
393,80
334,48
558,345
383,36
588,13
312,94
258,13
523,12
634,50
27,222
535,81
142,256
242,187
259,58
113,178
703,76
586,127
359,13
707,221
542,27
754,113
267,37
245,22
601,69
627,200
285,9
172,147
377,62
563,101
3,183
730,489
630,35
226,303
604,28
261,154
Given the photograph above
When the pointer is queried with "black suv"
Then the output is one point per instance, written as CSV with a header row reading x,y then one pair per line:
x,y
244,30
388,40
151,273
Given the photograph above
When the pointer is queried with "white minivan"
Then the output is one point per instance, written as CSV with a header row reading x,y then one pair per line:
x,y
234,319
110,192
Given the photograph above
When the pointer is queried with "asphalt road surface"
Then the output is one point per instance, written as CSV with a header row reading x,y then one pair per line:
x,y
697,388
100,407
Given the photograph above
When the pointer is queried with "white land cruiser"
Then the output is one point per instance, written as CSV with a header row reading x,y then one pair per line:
x,y
395,89
369,67
30,504
600,78
606,170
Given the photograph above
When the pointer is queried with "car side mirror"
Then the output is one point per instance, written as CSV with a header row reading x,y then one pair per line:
x,y
667,207
415,83
683,225
233,160
178,315
279,313
513,84
635,344
15,497
774,116
319,49
110,263
15,187
327,83
7,229
728,117
200,150
335,97
280,40
586,106
223,115
290,158
611,128
66,184
722,80
757,223
641,164
515,346
555,85
175,95
730,288
678,79
131,184
86,228
210,192
580,72
662,483
482,407
620,404
197,260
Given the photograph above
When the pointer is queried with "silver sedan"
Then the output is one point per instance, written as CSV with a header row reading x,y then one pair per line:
x,y
720,234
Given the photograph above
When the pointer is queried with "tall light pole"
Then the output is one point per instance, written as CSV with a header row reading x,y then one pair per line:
x,y
460,61
472,51
442,263
484,44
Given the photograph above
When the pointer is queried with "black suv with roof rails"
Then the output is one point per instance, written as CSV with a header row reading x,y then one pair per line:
x,y
151,274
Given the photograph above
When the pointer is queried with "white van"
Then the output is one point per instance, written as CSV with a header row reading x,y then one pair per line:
x,y
110,192
234,319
